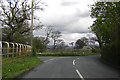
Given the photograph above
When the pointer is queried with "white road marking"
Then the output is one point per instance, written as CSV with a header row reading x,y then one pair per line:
x,y
48,60
77,58
52,59
73,62
79,74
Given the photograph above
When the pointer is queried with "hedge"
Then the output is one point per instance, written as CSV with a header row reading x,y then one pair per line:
x,y
110,53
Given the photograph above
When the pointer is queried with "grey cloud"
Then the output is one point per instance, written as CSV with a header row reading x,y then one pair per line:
x,y
61,22
83,14
69,3
86,14
69,24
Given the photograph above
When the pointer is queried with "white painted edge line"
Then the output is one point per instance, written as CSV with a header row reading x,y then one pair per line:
x,y
73,62
79,74
48,60
52,59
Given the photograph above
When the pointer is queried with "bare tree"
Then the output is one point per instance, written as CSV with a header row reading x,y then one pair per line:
x,y
48,32
92,40
15,16
44,41
60,44
55,35
85,40
79,44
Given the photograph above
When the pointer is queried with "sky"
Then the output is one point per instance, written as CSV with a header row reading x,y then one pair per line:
x,y
70,17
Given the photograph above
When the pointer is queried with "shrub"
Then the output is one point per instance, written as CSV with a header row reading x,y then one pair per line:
x,y
34,51
96,50
87,49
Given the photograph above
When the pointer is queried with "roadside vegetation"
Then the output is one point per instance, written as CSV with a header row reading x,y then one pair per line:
x,y
66,54
14,67
107,29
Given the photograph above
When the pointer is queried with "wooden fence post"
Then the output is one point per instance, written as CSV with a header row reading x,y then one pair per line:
x,y
27,49
20,49
23,50
16,50
12,49
7,49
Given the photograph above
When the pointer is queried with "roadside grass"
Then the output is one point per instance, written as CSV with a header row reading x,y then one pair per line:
x,y
14,69
66,54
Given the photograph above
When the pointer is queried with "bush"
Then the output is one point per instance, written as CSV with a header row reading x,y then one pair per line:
x,y
34,51
110,53
87,49
96,50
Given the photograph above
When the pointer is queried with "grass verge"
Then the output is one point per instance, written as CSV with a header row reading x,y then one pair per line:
x,y
66,54
11,70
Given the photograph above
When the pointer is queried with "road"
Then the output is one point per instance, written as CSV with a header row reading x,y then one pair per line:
x,y
81,67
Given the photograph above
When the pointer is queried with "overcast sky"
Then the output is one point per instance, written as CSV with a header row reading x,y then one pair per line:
x,y
70,17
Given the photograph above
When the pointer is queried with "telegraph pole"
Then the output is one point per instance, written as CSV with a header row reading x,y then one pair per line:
x,y
31,26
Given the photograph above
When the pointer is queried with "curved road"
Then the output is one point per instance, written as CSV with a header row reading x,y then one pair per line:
x,y
81,67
